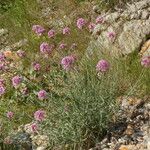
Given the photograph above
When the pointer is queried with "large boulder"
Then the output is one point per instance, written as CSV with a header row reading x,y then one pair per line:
x,y
131,26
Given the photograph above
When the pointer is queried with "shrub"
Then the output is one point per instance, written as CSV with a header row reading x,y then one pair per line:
x,y
90,103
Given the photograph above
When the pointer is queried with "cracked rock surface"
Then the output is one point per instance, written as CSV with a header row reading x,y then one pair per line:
x,y
131,26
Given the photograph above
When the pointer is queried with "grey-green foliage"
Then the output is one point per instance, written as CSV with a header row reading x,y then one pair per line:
x,y
81,117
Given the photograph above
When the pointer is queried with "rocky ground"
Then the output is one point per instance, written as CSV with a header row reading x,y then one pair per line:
x,y
132,130
131,26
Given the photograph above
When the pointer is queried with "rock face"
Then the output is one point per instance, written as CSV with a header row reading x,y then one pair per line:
x,y
131,27
132,130
145,50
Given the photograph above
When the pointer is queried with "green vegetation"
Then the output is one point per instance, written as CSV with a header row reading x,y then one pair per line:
x,y
81,102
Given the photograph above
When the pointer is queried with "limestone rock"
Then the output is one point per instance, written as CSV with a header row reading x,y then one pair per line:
x,y
41,142
132,27
145,14
3,32
112,17
131,130
133,34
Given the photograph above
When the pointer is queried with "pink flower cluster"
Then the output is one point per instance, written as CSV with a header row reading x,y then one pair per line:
x,y
34,127
91,26
2,90
111,35
36,66
39,30
103,66
42,94
45,48
66,31
10,114
62,46
51,33
16,80
81,23
2,57
31,128
39,115
67,62
99,20
145,61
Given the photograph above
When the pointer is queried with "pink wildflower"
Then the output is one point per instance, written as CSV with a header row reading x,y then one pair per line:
x,y
34,127
39,115
2,90
91,26
62,46
66,30
111,35
39,30
102,66
145,61
45,48
51,33
16,80
99,20
42,94
36,66
80,23
2,57
67,62
10,114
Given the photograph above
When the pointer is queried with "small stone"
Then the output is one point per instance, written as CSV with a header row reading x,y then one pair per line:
x,y
41,148
112,17
147,106
145,14
96,9
148,145
3,32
